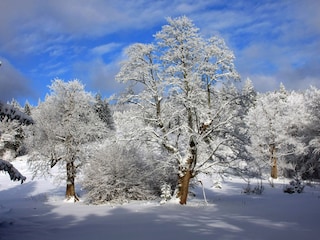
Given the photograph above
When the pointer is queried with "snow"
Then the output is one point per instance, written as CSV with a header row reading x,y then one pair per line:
x,y
36,210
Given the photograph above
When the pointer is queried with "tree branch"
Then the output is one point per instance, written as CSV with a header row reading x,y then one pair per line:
x,y
14,174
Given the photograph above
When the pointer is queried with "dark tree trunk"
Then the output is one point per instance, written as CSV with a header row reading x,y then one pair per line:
x,y
208,93
274,167
70,189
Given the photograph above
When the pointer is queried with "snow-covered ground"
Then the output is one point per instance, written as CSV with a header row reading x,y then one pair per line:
x,y
36,210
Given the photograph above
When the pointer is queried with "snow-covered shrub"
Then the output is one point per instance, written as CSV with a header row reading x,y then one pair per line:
x,y
258,189
120,173
217,184
295,186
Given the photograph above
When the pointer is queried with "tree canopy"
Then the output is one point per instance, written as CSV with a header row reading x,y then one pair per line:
x,y
186,98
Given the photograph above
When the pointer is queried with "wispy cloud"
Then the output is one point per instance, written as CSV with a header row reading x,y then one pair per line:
x,y
105,48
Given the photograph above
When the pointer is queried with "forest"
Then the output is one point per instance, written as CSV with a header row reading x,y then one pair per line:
x,y
185,112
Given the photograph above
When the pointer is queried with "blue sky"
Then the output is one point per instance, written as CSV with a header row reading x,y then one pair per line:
x,y
273,40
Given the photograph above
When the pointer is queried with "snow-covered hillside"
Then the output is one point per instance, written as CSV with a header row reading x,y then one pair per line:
x,y
36,210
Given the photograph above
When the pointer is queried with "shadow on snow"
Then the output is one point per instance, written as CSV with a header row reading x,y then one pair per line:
x,y
226,217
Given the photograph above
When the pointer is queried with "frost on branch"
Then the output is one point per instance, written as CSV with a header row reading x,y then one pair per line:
x,y
15,175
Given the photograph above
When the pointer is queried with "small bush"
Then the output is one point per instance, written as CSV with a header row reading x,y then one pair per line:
x,y
119,173
295,186
258,189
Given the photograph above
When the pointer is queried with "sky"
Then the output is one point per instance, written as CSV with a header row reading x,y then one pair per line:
x,y
273,41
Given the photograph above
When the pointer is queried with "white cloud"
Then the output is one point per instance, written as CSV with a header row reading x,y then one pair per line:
x,y
105,48
264,83
99,76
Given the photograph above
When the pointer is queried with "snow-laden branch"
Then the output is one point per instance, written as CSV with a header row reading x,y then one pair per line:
x,y
14,114
165,143
14,174
209,158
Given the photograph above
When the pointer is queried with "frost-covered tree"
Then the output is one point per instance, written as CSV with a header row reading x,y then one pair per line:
x,y
11,138
27,108
12,125
15,104
274,124
66,123
295,125
181,86
309,165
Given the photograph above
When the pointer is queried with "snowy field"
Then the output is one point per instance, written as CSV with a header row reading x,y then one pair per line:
x,y
36,210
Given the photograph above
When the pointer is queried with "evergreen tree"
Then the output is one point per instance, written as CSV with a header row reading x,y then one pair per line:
x,y
27,108
103,110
